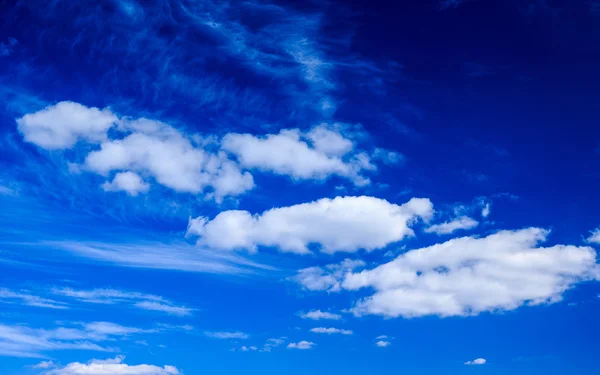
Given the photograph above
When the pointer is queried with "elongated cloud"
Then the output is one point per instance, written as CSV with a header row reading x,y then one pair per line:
x,y
466,276
318,315
331,330
227,335
460,223
342,224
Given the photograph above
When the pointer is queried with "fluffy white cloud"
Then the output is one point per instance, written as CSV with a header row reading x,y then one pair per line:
x,y
463,222
594,236
302,345
383,343
171,158
478,361
331,330
129,182
342,224
226,335
317,154
114,366
60,126
318,315
467,276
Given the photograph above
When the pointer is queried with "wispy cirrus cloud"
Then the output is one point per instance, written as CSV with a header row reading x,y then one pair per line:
x,y
134,299
227,335
25,297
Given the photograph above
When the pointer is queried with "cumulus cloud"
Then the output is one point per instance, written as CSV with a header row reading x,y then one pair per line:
x,y
478,361
460,223
331,330
594,236
227,335
383,343
342,224
136,146
316,155
318,315
302,345
62,125
114,366
129,182
467,276
171,158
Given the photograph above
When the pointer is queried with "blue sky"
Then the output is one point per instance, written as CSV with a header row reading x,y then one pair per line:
x,y
254,187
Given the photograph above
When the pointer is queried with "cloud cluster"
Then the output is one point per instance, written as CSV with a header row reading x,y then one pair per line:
x,y
342,224
464,276
594,236
133,152
114,366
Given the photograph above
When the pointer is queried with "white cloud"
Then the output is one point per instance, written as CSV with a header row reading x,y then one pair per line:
x,y
318,315
316,155
382,337
167,256
170,157
302,345
486,210
330,331
460,223
44,365
25,298
328,278
129,182
227,335
22,341
60,126
467,276
594,236
164,307
113,366
478,361
248,348
344,224
383,343
135,299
